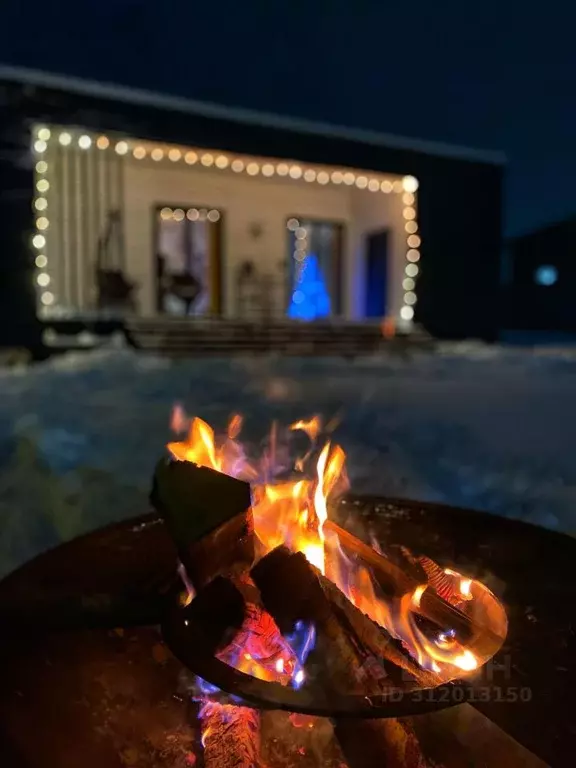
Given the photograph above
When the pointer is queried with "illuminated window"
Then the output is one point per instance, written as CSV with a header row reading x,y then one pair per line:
x,y
314,268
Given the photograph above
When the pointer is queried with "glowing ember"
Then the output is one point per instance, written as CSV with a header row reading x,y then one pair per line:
x,y
293,512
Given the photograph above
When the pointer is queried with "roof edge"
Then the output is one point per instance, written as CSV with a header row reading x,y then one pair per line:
x,y
115,92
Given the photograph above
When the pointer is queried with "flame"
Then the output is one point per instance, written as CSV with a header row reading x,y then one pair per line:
x,y
293,512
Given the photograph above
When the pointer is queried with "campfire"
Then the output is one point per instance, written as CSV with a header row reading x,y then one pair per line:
x,y
282,608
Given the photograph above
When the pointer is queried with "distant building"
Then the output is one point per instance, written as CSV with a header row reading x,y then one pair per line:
x,y
539,276
118,202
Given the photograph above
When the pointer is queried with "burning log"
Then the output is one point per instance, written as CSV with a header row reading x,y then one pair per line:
x,y
208,516
396,581
293,590
230,736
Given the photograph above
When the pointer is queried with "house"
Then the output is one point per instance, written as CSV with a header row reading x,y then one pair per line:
x,y
539,280
121,202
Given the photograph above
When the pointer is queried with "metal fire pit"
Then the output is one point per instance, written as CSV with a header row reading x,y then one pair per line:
x,y
87,680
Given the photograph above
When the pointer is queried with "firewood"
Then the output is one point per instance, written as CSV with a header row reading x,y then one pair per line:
x,y
230,736
347,640
344,638
209,517
369,743
396,581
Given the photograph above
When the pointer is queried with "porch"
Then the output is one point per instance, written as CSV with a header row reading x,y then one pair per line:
x,y
134,228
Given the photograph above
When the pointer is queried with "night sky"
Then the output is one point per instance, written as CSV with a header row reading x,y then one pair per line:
x,y
494,75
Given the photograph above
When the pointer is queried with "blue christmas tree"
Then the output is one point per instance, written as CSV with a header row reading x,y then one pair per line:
x,y
310,299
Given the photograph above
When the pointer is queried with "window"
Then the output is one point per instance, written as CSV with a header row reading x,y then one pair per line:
x,y
188,261
314,269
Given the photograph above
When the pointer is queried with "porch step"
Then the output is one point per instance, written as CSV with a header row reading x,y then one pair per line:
x,y
181,337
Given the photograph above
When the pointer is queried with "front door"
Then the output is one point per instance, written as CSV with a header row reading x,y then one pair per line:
x,y
376,274
188,261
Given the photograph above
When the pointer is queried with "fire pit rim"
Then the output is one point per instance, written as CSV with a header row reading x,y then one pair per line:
x,y
261,694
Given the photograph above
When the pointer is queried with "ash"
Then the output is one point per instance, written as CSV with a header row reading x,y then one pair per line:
x,y
491,428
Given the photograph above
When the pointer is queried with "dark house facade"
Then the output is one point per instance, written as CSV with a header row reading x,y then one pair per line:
x,y
539,271
101,186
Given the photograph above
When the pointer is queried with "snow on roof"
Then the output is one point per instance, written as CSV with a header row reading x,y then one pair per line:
x,y
236,114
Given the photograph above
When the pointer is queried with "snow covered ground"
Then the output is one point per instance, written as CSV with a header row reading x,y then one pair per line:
x,y
487,427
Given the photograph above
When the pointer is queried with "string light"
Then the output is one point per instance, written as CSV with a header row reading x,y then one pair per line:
x,y
409,186
406,187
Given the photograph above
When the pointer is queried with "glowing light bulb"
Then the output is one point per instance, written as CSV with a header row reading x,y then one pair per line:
x,y
410,297
413,241
44,134
139,153
322,177
309,175
41,261
43,185
174,155
38,241
413,255
40,146
42,223
361,182
84,142
411,270
373,185
41,166
190,158
222,162
409,213
179,214
406,313
408,198
252,169
268,169
102,142
157,154
207,160
47,298
166,214
292,224
121,148
192,214
295,172
408,283
411,227
213,215
336,177
282,169
41,204
349,179
65,139
386,186
43,279
237,166
410,184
